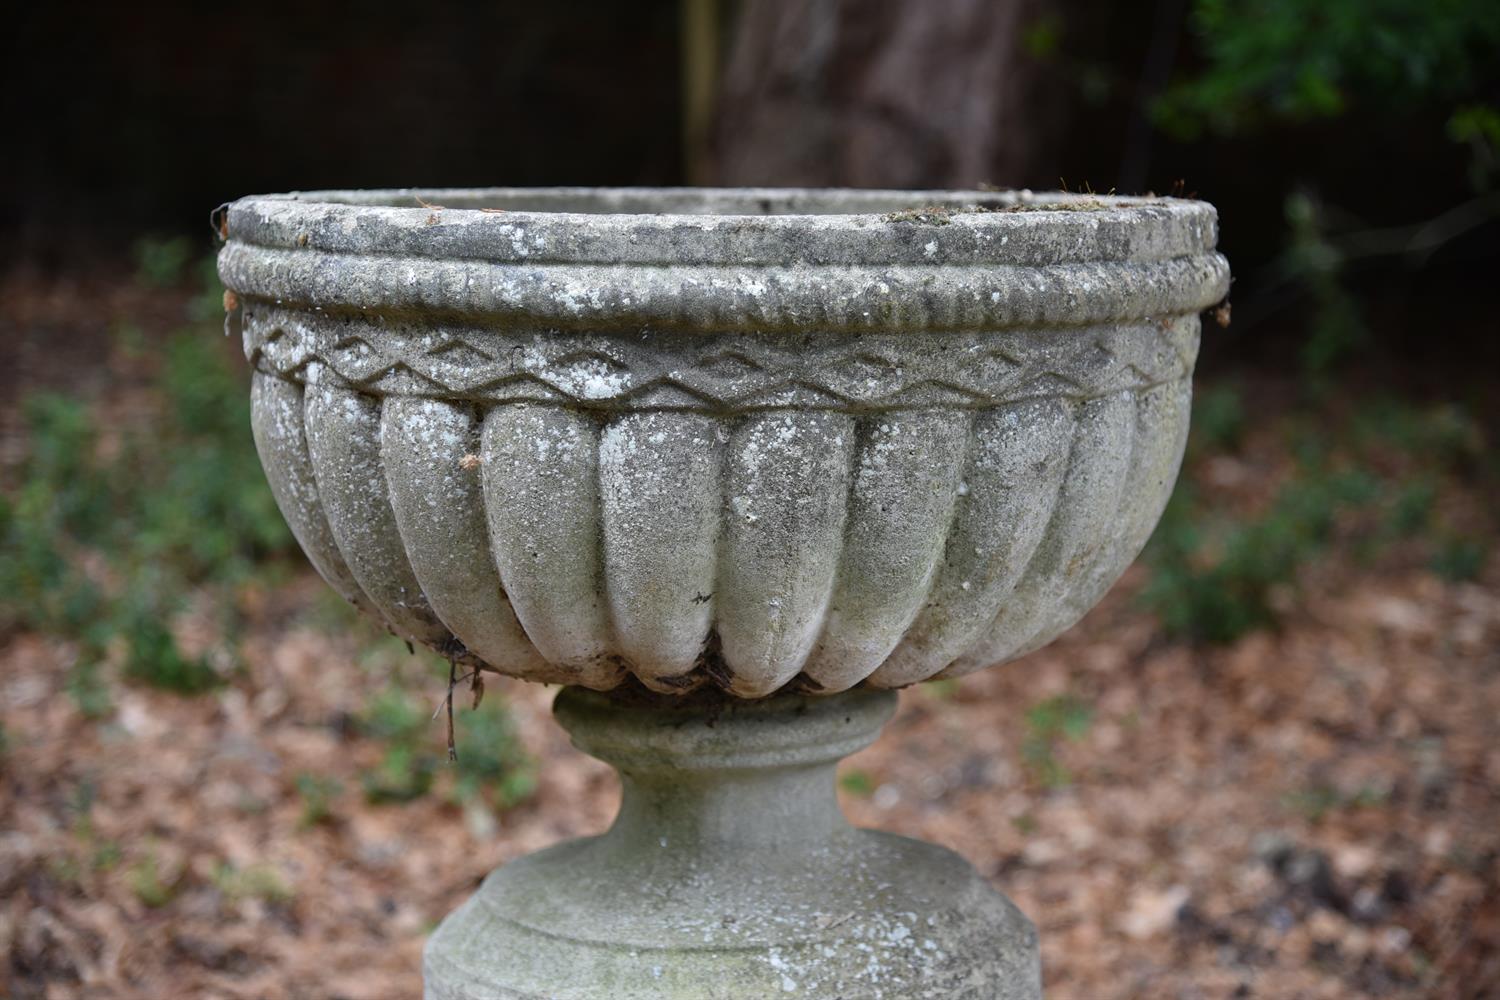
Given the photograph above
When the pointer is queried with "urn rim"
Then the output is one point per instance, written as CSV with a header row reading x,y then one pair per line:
x,y
864,260
816,225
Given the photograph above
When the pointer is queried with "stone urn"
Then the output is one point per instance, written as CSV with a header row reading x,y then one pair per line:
x,y
730,466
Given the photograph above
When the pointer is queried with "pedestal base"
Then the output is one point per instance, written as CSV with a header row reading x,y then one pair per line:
x,y
730,874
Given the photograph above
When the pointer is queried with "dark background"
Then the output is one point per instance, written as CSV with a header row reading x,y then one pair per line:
x,y
137,117
134,119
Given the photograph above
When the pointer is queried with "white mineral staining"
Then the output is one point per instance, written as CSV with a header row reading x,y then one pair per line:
x,y
343,431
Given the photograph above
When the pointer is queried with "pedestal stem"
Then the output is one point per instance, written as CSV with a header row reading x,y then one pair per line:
x,y
722,775
728,810
731,874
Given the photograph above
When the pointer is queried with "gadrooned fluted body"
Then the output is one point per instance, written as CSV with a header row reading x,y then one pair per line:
x,y
744,438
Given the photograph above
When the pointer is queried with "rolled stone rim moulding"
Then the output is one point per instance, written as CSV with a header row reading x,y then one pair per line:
x,y
755,439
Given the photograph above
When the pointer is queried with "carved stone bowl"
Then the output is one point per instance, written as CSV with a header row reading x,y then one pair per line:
x,y
770,445
744,438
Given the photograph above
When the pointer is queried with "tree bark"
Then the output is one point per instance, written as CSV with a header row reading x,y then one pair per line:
x,y
883,93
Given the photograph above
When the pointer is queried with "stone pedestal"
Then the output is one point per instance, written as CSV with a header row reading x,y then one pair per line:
x,y
731,874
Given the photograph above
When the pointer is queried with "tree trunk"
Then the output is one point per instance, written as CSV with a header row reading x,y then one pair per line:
x,y
884,93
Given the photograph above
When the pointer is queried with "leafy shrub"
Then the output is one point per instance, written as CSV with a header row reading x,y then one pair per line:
x,y
151,652
106,546
151,884
160,262
1459,559
1444,435
857,783
1265,63
1215,578
253,882
1219,419
1216,589
1336,330
57,494
1317,800
491,762
1047,722
491,766
103,547
1286,60
317,794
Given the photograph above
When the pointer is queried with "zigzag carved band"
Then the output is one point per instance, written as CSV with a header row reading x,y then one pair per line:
x,y
723,372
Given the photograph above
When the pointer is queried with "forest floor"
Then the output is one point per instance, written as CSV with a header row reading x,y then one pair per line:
x,y
1310,809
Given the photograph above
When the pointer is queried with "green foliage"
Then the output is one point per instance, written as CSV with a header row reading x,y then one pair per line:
x,y
1445,435
1064,715
1475,122
152,654
942,689
492,767
1215,577
392,716
150,883
1047,722
55,494
207,306
857,783
1216,586
1285,60
1219,419
1411,508
491,762
254,882
211,513
1335,329
1042,37
1262,63
406,767
1459,559
317,794
108,529
403,774
1319,799
106,856
111,532
1477,126
161,263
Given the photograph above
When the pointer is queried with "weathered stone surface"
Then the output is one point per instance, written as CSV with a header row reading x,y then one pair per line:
x,y
730,874
713,454
743,438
